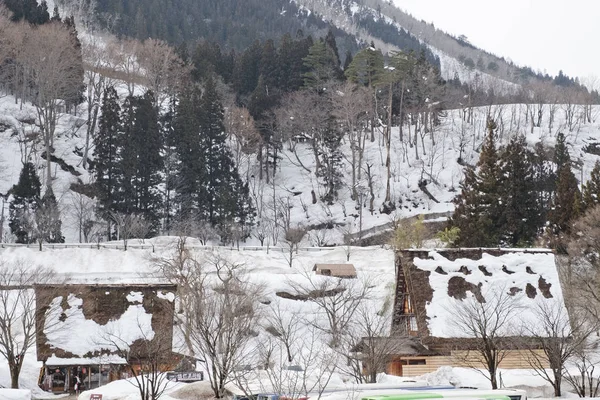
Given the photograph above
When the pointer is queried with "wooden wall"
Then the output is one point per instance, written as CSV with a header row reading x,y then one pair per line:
x,y
515,359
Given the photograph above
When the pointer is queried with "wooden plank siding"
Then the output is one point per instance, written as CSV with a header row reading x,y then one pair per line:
x,y
515,359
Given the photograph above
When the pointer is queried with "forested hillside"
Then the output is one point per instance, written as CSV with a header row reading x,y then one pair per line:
x,y
286,140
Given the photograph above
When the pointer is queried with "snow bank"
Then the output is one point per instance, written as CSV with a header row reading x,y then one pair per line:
x,y
15,394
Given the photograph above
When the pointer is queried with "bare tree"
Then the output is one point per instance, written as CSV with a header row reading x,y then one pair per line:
x,y
284,325
223,316
129,226
96,61
348,232
125,55
161,68
582,374
49,55
368,344
83,209
486,322
146,357
246,139
352,106
263,229
18,312
182,267
555,341
292,238
583,267
337,300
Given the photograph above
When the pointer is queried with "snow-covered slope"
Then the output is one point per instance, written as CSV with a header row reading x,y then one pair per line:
x,y
434,159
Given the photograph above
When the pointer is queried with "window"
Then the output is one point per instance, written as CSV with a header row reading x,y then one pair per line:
x,y
417,362
407,306
412,324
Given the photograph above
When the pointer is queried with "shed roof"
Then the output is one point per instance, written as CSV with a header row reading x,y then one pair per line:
x,y
339,270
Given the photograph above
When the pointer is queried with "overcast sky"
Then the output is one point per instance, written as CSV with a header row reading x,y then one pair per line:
x,y
547,35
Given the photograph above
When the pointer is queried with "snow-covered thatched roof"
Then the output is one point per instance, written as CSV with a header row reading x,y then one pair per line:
x,y
441,282
97,324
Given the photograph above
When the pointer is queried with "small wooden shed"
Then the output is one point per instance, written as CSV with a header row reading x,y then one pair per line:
x,y
336,270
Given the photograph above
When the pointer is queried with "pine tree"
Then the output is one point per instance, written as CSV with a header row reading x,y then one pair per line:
x,y
332,45
106,141
269,67
561,152
477,207
190,158
322,66
520,215
222,193
567,201
331,161
47,218
366,67
591,189
140,161
25,199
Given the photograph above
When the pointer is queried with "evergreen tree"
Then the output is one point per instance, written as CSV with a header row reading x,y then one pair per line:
x,y
291,65
544,182
168,128
520,210
477,207
140,161
269,67
561,152
190,157
75,95
247,69
567,201
222,192
106,146
332,45
331,161
322,66
47,218
591,189
25,199
366,67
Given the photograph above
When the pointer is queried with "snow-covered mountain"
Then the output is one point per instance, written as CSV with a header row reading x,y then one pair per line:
x,y
458,58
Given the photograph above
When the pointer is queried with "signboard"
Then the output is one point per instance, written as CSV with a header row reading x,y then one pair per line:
x,y
96,397
184,376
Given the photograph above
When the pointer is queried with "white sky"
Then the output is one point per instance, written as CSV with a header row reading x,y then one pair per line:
x,y
547,35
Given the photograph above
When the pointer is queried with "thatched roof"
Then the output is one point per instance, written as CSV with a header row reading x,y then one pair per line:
x,y
439,281
79,322
336,270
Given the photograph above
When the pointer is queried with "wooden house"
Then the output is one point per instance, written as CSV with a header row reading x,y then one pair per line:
x,y
99,333
336,270
433,284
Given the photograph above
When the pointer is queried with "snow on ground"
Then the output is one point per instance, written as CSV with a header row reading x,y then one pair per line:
x,y
270,269
451,68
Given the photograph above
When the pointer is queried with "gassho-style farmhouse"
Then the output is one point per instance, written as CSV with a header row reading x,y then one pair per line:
x,y
433,286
